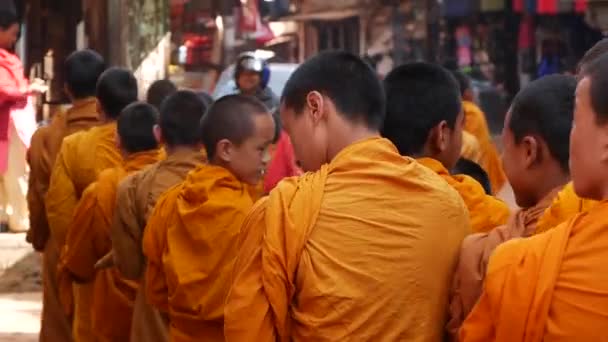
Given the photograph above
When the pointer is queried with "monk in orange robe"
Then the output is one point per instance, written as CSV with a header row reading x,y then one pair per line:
x,y
536,139
81,159
475,123
554,286
424,120
82,70
324,257
191,237
136,196
88,237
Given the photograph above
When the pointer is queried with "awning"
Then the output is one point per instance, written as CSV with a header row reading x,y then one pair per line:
x,y
323,16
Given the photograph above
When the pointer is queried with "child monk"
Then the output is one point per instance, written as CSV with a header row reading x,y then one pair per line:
x,y
158,91
536,138
80,160
342,253
191,238
81,70
424,119
475,123
567,204
88,237
179,132
553,286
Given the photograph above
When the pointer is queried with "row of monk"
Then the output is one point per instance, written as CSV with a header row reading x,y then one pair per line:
x,y
154,226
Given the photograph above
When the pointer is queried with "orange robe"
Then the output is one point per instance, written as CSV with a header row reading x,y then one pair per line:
x,y
550,287
471,149
486,212
88,240
475,252
566,205
476,124
136,197
191,244
349,253
81,159
45,145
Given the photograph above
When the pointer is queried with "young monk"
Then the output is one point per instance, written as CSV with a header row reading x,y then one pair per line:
x,y
424,119
159,91
321,258
553,286
475,123
567,204
80,160
88,237
536,139
82,70
136,196
191,238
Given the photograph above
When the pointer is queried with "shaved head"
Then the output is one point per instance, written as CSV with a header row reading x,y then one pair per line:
x,y
230,118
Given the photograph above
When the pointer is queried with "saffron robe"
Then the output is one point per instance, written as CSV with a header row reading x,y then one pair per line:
x,y
550,287
486,212
190,243
309,255
136,198
88,240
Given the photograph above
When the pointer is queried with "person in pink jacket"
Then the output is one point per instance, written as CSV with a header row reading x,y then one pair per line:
x,y
17,124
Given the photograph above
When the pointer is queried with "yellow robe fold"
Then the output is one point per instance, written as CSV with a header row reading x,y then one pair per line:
x,y
349,253
81,159
566,205
476,124
136,198
190,243
486,212
88,240
45,145
475,252
471,149
550,287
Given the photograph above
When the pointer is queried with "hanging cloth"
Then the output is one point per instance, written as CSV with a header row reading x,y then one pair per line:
x,y
547,6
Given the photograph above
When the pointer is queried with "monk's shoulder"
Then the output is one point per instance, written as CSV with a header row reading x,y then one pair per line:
x,y
432,184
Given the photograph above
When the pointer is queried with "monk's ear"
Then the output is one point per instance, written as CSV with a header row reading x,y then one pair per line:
x,y
443,136
224,150
531,148
317,106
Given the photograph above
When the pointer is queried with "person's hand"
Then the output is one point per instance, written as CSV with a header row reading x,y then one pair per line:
x,y
38,86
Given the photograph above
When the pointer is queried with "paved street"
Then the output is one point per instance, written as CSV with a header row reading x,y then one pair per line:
x,y
20,290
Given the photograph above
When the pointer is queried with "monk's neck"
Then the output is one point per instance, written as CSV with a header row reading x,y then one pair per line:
x,y
550,183
181,149
344,139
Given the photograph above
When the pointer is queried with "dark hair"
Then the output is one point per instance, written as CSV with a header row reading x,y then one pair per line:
x,y
180,116
7,19
464,82
230,118
116,89
343,77
544,108
135,127
592,54
82,70
419,96
597,72
475,171
159,91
